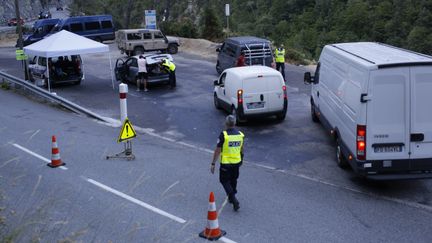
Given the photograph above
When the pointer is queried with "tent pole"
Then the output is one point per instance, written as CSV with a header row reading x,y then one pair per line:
x,y
48,75
112,77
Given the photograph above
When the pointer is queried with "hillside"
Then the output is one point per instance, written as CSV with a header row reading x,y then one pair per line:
x,y
304,26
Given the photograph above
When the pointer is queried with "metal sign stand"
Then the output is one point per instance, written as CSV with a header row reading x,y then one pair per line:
x,y
126,154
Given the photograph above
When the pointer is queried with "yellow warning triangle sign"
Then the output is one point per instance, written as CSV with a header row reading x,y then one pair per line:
x,y
127,131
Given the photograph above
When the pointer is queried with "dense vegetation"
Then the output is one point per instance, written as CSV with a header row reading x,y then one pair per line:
x,y
304,26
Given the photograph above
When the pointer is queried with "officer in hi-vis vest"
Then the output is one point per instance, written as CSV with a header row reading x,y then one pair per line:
x,y
280,60
170,68
230,151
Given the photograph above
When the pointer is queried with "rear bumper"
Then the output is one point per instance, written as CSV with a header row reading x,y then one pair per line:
x,y
395,169
264,114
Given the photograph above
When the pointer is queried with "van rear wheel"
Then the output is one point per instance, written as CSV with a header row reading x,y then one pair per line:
x,y
216,102
234,112
172,49
313,114
340,158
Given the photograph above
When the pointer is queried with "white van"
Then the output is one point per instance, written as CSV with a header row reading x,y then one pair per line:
x,y
376,100
251,91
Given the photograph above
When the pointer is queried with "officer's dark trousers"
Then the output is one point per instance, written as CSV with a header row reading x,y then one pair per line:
x,y
228,175
172,79
281,66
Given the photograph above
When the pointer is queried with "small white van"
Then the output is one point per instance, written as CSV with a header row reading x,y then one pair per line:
x,y
376,100
251,91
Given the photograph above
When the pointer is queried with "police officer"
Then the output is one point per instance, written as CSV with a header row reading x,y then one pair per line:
x,y
280,60
170,67
230,151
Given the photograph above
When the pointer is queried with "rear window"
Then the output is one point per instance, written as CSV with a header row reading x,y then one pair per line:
x,y
92,25
106,24
75,27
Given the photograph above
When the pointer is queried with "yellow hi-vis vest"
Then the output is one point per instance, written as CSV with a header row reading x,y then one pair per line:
x,y
280,55
170,65
231,149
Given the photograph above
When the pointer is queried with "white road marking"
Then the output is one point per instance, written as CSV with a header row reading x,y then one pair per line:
x,y
226,240
292,173
223,205
136,201
36,155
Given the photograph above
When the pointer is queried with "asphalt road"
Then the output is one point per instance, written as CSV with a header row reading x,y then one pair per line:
x,y
293,190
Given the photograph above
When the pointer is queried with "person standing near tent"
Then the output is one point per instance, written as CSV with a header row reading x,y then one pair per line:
x,y
142,73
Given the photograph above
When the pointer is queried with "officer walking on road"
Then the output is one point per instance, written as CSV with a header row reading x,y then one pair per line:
x,y
280,60
230,151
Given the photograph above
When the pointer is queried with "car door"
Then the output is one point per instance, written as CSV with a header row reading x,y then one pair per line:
x,y
148,41
221,92
421,117
388,114
160,42
132,69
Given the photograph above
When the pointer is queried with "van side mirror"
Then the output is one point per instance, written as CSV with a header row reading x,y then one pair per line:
x,y
215,83
308,78
218,49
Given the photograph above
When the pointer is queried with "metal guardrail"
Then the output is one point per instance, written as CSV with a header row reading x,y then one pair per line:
x,y
51,97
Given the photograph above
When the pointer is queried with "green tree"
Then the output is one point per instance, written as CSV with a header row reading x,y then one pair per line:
x,y
211,27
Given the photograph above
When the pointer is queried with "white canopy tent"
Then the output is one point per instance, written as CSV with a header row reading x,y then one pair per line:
x,y
66,43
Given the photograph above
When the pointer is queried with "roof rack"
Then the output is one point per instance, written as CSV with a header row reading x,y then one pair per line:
x,y
259,50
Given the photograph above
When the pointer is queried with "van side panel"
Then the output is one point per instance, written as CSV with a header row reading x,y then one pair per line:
x,y
421,115
351,108
388,114
274,94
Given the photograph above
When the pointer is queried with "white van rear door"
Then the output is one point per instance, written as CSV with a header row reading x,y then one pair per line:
x,y
255,94
388,119
275,95
421,115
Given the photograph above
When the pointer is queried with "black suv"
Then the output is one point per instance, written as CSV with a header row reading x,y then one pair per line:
x,y
257,52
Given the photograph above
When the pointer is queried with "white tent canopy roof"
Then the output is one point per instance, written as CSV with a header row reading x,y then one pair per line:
x,y
64,43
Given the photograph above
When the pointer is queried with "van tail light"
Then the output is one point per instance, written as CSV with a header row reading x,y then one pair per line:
x,y
240,96
285,92
361,142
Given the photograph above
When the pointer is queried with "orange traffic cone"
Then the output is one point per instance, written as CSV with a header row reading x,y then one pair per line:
x,y
212,231
55,157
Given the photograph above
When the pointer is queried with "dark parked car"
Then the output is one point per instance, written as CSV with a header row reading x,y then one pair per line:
x,y
127,70
44,14
59,8
14,22
257,51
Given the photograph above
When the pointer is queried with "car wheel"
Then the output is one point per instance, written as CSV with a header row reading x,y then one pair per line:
x,y
239,120
218,68
315,118
216,102
138,51
172,49
340,158
281,116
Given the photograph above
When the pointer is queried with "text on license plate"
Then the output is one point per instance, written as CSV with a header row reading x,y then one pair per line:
x,y
388,149
255,105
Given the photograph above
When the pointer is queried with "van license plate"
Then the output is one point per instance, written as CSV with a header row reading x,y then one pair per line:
x,y
388,149
255,105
